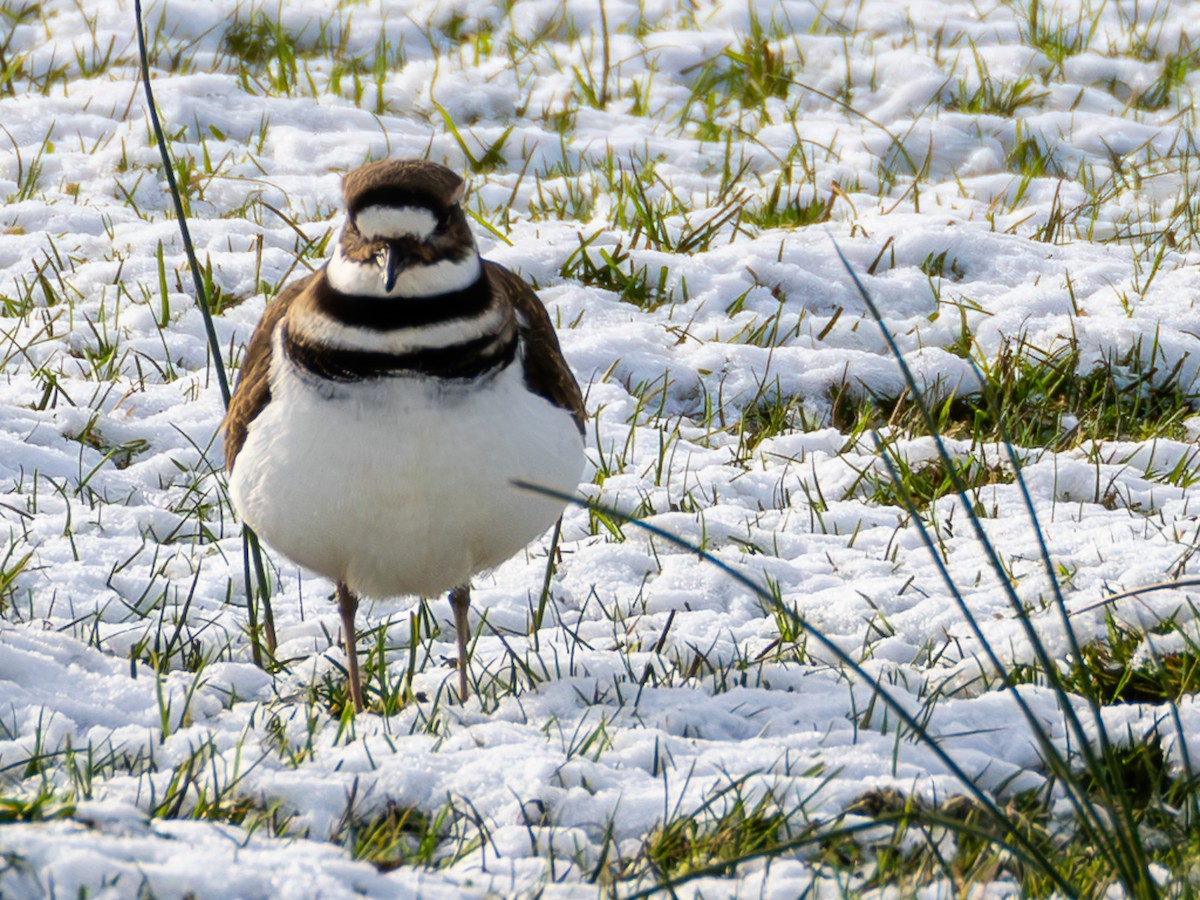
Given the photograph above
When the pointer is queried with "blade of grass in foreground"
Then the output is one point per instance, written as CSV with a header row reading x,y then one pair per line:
x,y
1011,836
250,546
1122,843
1109,826
1128,854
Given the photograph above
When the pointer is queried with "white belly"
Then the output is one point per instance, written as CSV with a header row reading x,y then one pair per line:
x,y
398,486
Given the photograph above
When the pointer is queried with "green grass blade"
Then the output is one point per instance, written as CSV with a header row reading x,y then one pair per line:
x,y
1129,858
831,647
214,348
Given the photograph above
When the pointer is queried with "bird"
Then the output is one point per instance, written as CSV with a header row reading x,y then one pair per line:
x,y
387,402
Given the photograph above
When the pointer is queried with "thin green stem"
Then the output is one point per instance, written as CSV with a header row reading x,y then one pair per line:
x,y
249,539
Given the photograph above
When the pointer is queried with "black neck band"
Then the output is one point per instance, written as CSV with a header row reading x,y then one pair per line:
x,y
467,360
389,313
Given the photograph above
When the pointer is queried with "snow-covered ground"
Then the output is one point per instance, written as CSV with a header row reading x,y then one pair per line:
x,y
655,681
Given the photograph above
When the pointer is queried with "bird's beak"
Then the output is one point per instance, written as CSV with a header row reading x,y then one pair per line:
x,y
395,260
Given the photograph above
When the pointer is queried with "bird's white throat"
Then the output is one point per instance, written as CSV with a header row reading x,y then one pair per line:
x,y
366,279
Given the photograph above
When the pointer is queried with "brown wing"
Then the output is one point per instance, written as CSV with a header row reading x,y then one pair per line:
x,y
253,388
546,372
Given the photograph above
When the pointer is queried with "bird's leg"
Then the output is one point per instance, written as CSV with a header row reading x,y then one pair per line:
x,y
460,602
348,606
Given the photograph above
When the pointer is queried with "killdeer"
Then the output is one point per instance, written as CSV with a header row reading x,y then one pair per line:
x,y
387,402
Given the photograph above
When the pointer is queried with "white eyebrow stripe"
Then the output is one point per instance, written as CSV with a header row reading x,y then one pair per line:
x,y
375,222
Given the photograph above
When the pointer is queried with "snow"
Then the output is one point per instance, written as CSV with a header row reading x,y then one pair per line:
x,y
111,469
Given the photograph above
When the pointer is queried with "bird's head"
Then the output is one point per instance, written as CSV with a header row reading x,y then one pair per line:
x,y
405,233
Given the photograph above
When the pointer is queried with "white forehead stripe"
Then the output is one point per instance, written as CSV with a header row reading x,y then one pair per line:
x,y
375,222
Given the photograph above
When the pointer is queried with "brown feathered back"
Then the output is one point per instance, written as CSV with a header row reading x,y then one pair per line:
x,y
546,372
253,387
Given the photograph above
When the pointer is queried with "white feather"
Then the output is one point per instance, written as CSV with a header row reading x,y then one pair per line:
x,y
440,278
403,486
365,279
315,328
377,222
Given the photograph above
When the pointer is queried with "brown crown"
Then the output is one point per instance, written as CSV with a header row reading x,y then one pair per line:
x,y
402,182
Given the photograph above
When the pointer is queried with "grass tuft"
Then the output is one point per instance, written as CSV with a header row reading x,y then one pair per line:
x,y
990,96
